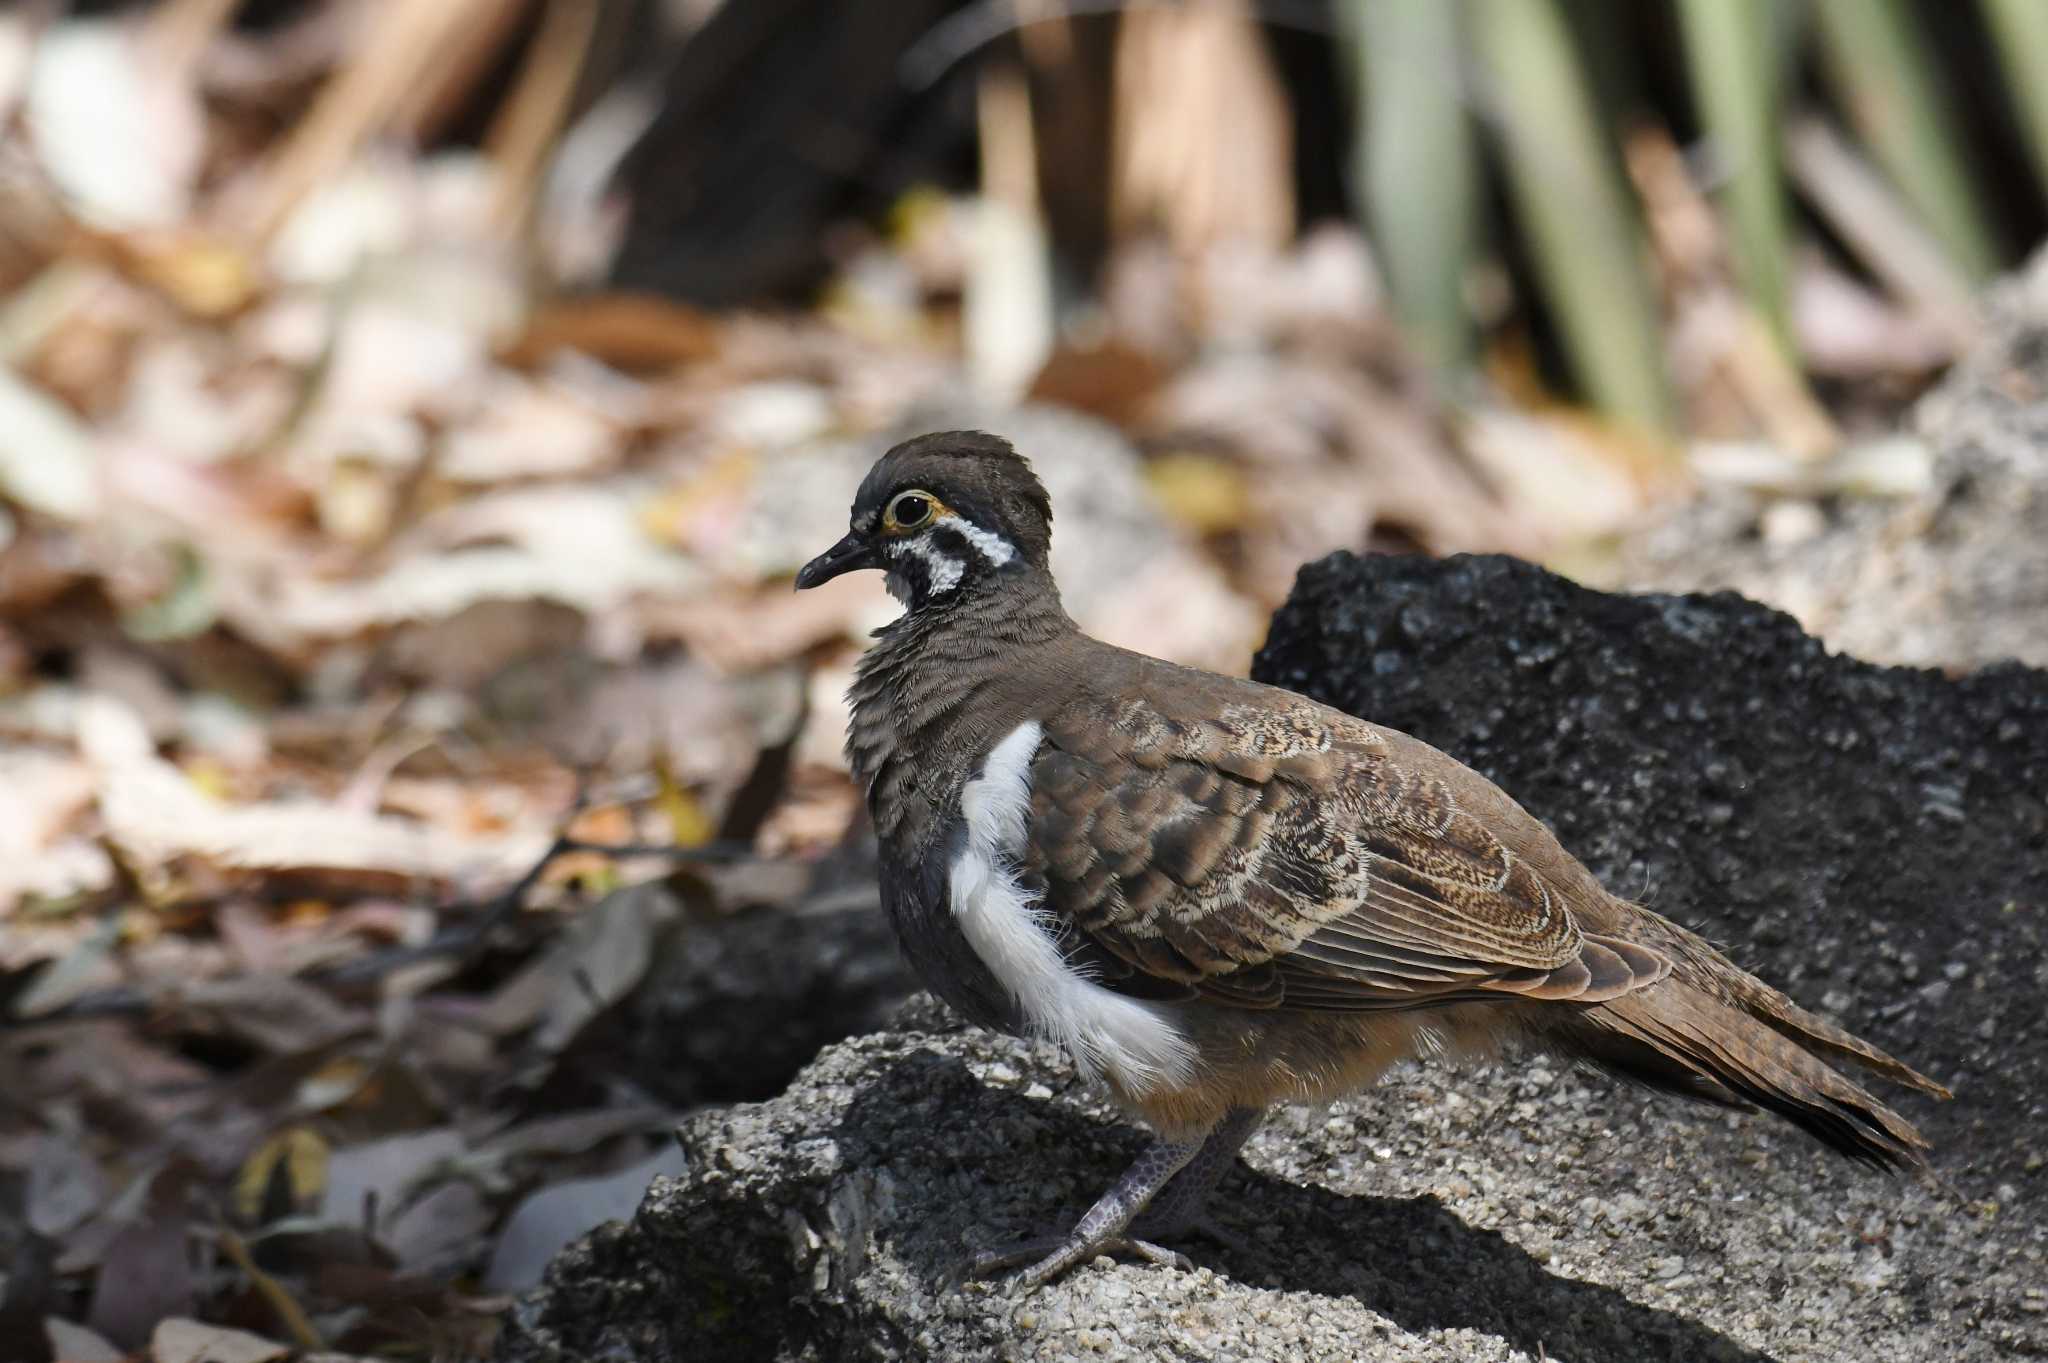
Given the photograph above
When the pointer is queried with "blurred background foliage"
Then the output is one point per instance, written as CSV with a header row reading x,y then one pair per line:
x,y
1510,160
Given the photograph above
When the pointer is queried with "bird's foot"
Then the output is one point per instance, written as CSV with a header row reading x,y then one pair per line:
x,y
1102,1230
1050,1256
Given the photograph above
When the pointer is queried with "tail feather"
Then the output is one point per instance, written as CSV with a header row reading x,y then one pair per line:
x,y
1680,1038
1788,1019
1709,972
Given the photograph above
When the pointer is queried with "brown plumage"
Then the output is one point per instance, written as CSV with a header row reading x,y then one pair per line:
x,y
1249,898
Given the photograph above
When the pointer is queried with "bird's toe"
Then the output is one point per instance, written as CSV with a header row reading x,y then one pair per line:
x,y
1046,1258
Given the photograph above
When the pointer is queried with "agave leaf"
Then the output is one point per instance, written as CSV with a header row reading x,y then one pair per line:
x,y
1735,76
2019,30
1583,227
1416,169
1876,59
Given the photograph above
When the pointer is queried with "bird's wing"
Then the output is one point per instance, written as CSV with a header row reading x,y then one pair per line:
x,y
1257,849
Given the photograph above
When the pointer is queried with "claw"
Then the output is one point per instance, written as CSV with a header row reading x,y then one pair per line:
x,y
1113,1224
1053,1255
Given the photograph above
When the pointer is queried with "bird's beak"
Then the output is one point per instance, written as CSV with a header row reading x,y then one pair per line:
x,y
852,553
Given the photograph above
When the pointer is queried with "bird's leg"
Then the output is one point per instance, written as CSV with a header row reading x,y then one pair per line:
x,y
1181,1207
1101,1228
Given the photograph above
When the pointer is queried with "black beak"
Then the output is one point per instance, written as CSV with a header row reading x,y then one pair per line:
x,y
848,555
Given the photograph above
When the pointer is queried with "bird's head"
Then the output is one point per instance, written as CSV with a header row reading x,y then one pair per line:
x,y
944,515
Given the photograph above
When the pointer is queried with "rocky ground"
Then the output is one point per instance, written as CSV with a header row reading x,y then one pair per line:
x,y
1869,838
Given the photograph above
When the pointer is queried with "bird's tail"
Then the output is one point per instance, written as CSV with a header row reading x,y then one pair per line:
x,y
1713,1032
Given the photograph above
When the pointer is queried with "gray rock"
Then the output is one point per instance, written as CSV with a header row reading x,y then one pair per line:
x,y
1702,754
1521,1215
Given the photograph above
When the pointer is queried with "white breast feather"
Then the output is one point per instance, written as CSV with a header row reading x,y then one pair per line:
x,y
1133,1041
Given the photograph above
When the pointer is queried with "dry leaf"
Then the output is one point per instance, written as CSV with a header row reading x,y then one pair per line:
x,y
741,632
65,1183
1113,380
42,796
189,1341
632,331
580,545
596,962
528,430
47,459
138,1090
205,276
436,1234
1557,470
158,817
145,1277
116,126
71,1343
300,1152
572,1133
275,1013
549,1219
1205,493
89,965
384,1175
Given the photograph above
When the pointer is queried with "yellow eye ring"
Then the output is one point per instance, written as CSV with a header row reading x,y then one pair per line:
x,y
911,510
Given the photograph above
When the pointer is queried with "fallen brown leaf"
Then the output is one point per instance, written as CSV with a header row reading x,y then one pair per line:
x,y
145,1277
632,331
158,818
602,955
550,1218
375,1181
177,1340
73,1343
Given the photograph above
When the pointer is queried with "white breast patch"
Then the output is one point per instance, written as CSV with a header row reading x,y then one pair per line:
x,y
1132,1041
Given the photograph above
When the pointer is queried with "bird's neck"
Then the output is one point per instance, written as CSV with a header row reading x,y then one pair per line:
x,y
942,685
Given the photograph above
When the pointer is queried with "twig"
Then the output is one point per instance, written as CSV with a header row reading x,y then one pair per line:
x,y
530,120
289,1313
467,939
394,58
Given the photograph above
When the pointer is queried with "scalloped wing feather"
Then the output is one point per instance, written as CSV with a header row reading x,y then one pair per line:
x,y
1269,852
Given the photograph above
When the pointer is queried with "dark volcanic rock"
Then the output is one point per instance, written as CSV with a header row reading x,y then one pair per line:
x,y
1870,839
739,1004
1874,840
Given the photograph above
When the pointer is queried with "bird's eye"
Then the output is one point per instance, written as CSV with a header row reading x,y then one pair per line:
x,y
910,510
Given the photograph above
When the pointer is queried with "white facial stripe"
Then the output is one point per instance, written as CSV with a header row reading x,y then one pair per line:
x,y
993,547
942,570
1134,1042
